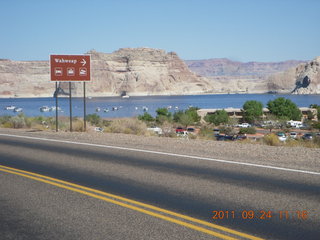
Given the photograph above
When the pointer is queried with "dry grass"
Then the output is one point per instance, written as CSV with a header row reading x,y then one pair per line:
x,y
271,140
128,126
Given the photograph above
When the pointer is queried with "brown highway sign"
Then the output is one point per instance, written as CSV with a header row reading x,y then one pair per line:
x,y
70,68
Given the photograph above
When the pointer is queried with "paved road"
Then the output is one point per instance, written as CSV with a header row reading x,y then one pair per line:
x,y
286,205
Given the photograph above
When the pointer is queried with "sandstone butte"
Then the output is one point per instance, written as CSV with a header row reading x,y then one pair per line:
x,y
147,71
137,71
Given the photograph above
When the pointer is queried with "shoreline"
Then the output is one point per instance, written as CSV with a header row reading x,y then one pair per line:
x,y
159,95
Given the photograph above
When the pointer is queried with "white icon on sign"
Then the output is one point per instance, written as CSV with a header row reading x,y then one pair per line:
x,y
83,71
70,71
58,71
83,62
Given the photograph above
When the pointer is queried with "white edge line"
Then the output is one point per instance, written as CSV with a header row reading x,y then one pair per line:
x,y
164,153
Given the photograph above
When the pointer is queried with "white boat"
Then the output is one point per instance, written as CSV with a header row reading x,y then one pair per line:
x,y
106,110
53,108
98,109
114,108
45,109
10,107
145,109
17,109
125,96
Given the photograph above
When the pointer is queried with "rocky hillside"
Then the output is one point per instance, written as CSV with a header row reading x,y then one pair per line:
x,y
226,67
229,76
303,79
138,71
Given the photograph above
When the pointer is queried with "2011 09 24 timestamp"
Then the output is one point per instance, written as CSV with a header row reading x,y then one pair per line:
x,y
260,214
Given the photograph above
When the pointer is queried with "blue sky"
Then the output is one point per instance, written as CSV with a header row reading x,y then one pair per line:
x,y
243,30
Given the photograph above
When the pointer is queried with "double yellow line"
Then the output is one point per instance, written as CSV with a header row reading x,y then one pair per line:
x,y
180,219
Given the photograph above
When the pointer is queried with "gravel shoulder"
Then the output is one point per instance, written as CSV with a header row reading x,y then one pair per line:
x,y
288,157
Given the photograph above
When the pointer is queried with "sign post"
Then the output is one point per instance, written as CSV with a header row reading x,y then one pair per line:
x,y
56,95
84,108
70,68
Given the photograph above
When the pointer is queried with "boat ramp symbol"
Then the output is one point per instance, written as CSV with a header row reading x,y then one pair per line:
x,y
83,71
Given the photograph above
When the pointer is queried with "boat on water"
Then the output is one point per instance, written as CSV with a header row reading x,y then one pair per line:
x,y
125,96
106,110
53,108
17,109
98,109
10,107
45,109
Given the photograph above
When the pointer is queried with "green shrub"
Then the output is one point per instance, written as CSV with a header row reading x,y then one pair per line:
x,y
18,121
217,118
227,130
94,119
206,132
146,117
271,139
249,130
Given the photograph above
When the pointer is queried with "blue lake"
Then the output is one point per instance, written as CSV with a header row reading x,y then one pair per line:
x,y
133,106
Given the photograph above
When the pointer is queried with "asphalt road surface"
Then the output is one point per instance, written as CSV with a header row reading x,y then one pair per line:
x,y
63,190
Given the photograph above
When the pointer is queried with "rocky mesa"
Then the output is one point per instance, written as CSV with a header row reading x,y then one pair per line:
x,y
136,71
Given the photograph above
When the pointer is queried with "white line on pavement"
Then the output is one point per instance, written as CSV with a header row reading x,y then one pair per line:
x,y
165,153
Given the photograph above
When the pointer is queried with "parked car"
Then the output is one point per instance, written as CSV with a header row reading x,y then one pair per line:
x,y
183,134
293,135
155,130
282,136
244,125
180,129
307,136
241,137
225,138
190,129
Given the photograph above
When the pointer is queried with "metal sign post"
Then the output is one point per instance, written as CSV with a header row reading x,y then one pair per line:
x,y
70,105
70,68
84,107
56,95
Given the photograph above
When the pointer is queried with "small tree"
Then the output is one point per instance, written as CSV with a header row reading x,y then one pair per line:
x,y
146,117
284,109
217,118
163,115
192,112
187,117
253,110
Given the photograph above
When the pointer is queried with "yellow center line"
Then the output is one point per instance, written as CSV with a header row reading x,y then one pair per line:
x,y
41,178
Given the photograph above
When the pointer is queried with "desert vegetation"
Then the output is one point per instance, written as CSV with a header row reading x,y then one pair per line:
x,y
188,121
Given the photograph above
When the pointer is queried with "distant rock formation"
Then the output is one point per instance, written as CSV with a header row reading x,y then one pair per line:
x,y
144,71
136,71
229,76
303,79
308,78
226,67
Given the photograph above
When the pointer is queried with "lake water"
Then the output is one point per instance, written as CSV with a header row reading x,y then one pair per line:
x,y
133,106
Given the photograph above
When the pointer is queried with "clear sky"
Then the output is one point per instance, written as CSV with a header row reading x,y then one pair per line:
x,y
244,30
